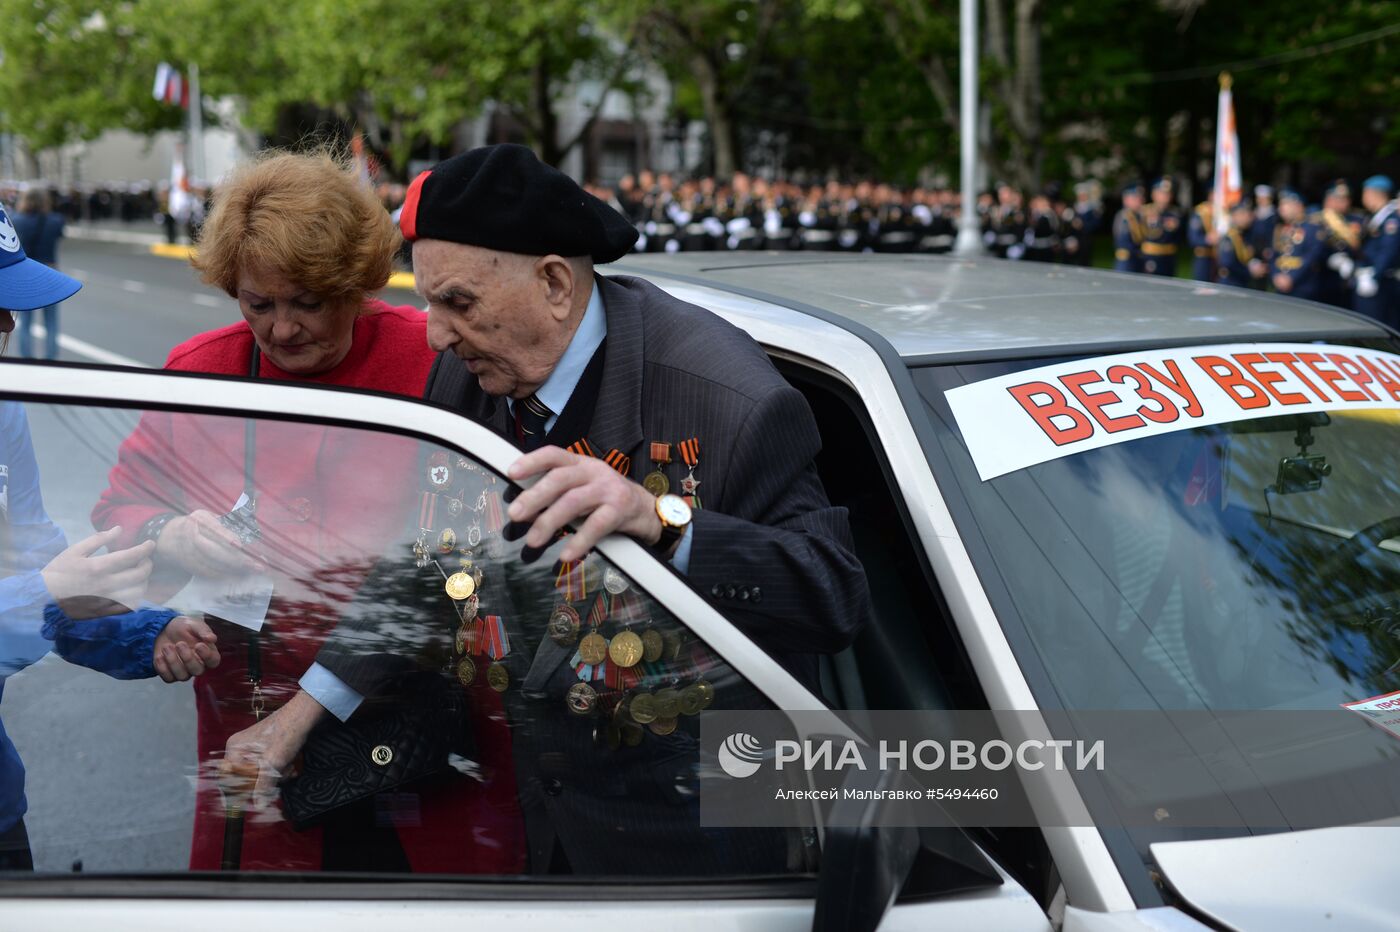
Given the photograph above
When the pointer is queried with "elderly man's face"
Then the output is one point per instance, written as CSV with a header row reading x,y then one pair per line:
x,y
493,311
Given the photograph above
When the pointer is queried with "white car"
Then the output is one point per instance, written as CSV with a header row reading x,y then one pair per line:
x,y
1071,490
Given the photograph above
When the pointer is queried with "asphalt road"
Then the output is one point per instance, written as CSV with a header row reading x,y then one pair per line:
x,y
110,764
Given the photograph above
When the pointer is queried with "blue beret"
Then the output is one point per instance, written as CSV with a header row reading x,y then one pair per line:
x,y
504,198
1380,183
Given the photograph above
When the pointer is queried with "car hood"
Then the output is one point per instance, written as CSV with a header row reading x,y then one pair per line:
x,y
1339,878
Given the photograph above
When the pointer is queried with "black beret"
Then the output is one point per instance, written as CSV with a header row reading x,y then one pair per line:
x,y
504,198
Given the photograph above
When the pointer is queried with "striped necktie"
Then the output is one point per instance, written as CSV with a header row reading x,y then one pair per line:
x,y
530,417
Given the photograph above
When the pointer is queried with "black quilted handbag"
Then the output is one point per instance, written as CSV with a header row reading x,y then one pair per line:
x,y
401,735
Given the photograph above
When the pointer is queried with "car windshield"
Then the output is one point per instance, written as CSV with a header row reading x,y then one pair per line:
x,y
1251,564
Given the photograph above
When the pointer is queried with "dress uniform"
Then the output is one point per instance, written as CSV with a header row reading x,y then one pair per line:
x,y
1199,235
1299,254
1128,231
1082,223
1377,286
1265,220
1235,252
1042,237
1162,231
1006,225
1343,232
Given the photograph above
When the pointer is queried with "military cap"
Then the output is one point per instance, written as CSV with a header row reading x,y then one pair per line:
x,y
1132,187
1263,190
1288,194
1339,187
1380,183
503,197
1163,183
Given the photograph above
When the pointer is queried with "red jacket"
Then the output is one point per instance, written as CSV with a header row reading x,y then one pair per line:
x,y
330,501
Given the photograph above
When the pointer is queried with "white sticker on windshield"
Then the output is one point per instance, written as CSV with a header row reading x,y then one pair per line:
x,y
1381,711
1037,415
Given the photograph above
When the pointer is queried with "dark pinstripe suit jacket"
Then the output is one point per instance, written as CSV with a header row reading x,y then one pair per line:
x,y
671,371
769,550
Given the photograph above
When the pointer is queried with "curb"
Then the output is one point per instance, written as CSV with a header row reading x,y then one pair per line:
x,y
102,235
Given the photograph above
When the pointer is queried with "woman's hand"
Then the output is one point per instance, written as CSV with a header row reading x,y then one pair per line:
x,y
270,747
87,586
201,546
185,648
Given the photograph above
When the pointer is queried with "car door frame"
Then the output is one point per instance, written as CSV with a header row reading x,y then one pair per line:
x,y
762,904
868,365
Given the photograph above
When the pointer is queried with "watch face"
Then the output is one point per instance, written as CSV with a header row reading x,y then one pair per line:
x,y
673,510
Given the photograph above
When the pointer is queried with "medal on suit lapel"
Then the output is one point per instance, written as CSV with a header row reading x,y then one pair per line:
x,y
614,582
656,482
571,582
690,455
439,472
626,649
593,649
582,699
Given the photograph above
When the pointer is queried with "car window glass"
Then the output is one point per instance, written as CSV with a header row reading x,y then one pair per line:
x,y
1199,568
500,717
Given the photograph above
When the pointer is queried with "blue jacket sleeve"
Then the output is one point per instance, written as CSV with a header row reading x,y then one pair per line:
x,y
121,646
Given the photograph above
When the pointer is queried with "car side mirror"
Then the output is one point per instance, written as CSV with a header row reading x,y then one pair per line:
x,y
866,866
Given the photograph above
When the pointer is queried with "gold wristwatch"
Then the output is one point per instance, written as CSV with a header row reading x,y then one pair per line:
x,y
675,518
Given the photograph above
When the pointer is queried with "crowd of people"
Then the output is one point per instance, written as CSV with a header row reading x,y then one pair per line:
x,y
1329,253
1273,241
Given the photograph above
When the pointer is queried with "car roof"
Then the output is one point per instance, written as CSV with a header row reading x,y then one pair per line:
x,y
938,309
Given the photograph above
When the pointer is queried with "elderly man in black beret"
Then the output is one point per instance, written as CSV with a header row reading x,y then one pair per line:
x,y
609,383
534,343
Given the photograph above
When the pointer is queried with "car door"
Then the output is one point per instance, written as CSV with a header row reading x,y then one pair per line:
x,y
375,524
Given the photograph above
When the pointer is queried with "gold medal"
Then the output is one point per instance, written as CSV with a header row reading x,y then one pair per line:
x,y
563,625
460,586
447,541
593,649
656,483
652,645
663,726
497,677
466,671
690,700
614,582
582,699
668,703
642,708
707,693
625,649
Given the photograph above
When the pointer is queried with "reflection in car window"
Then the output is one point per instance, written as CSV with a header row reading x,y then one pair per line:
x,y
1198,568
487,715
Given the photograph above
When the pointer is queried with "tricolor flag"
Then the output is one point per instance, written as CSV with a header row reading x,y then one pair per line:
x,y
1228,186
170,86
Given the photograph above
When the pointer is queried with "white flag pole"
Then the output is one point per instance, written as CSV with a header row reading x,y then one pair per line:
x,y
969,239
196,162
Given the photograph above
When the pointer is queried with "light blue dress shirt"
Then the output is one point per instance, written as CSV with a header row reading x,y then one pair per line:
x,y
327,688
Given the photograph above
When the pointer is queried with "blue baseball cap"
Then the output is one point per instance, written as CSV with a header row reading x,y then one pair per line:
x,y
1380,183
26,285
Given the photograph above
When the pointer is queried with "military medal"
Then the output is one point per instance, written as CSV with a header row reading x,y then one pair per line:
x,y
652,645
668,703
454,506
498,678
564,625
625,649
466,671
614,582
663,726
439,472
656,482
671,646
460,586
642,708
696,697
690,455
474,535
593,649
582,699
447,541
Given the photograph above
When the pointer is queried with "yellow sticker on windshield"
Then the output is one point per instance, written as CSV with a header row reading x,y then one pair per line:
x,y
1037,415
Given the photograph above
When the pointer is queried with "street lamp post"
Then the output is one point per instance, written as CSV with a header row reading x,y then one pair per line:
x,y
969,240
